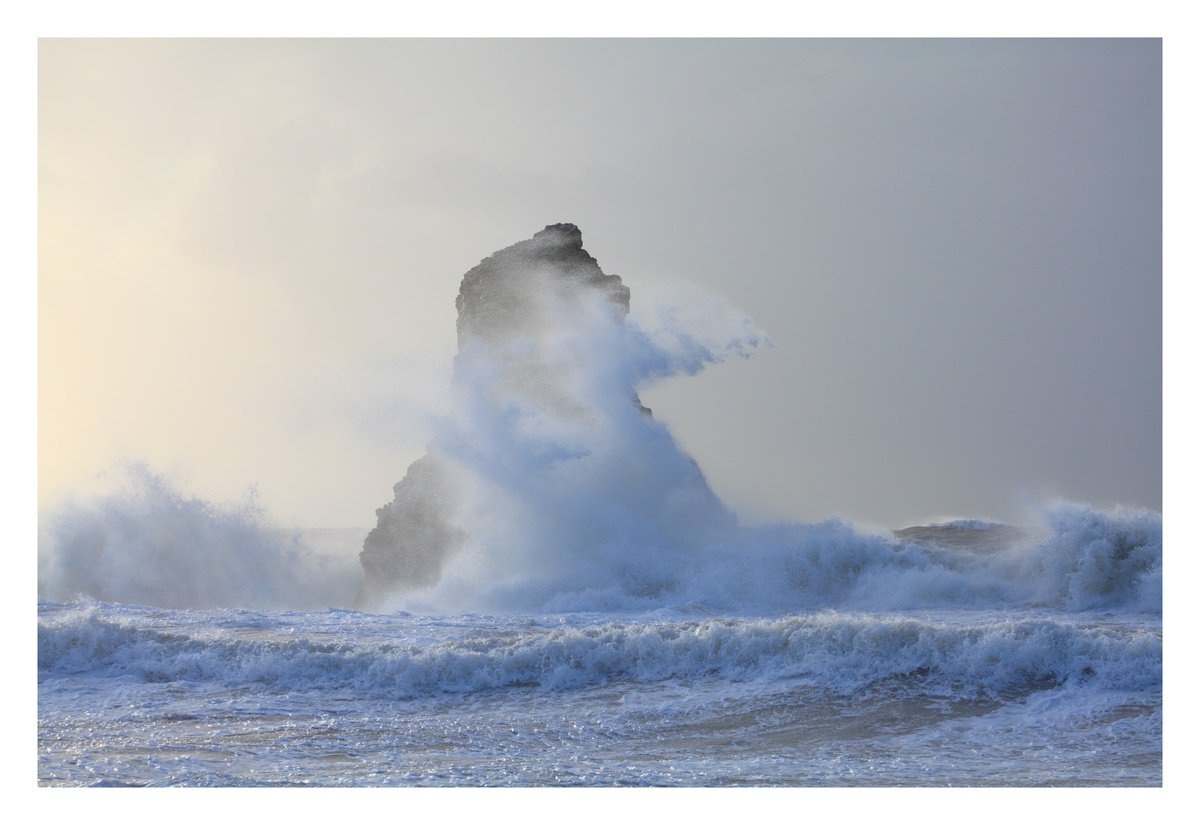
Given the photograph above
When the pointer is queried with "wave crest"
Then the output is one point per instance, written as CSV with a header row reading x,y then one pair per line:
x,y
401,657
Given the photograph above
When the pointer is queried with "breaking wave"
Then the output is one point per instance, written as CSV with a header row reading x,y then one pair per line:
x,y
148,543
841,652
1078,559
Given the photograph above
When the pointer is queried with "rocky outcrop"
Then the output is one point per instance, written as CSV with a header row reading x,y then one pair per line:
x,y
414,535
539,326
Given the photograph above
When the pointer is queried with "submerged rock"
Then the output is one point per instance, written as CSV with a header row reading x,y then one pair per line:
x,y
964,534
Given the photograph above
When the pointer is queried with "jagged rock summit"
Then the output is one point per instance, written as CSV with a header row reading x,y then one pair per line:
x,y
500,297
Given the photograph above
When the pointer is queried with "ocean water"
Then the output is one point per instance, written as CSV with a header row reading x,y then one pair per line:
x,y
1000,660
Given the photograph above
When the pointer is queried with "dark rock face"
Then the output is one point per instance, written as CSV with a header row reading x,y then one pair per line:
x,y
414,537
512,291
974,536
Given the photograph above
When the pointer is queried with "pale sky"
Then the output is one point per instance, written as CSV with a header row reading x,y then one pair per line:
x,y
249,253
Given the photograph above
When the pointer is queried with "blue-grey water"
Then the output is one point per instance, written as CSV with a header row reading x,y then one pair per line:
x,y
144,696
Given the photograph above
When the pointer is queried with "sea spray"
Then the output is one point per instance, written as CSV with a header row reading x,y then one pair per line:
x,y
1077,559
1091,559
146,542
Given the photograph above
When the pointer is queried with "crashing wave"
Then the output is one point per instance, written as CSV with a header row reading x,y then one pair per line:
x,y
400,657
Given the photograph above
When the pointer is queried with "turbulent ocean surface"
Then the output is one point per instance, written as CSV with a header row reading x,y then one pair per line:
x,y
998,658
557,597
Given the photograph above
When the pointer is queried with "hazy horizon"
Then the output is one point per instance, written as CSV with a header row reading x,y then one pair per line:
x,y
249,254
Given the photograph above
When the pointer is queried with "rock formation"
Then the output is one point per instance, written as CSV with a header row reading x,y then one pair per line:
x,y
541,335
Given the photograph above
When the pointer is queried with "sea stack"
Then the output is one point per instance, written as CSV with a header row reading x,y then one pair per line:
x,y
540,373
